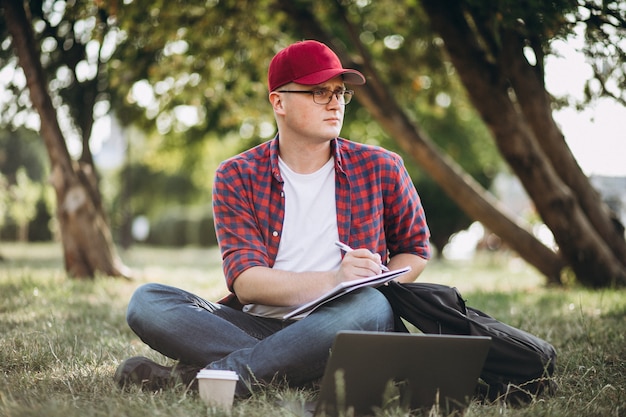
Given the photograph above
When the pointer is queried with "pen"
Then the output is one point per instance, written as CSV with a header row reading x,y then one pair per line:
x,y
347,249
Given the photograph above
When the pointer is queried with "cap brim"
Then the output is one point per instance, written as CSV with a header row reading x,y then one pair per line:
x,y
350,76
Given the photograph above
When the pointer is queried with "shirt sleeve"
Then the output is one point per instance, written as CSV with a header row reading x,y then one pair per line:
x,y
405,219
240,238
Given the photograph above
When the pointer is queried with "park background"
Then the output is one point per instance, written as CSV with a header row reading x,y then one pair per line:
x,y
149,98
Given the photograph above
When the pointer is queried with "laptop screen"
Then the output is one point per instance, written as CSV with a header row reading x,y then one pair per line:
x,y
370,370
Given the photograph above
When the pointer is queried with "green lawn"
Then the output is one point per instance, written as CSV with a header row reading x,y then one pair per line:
x,y
62,339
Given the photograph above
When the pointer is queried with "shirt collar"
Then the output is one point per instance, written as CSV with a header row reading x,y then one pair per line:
x,y
335,149
274,159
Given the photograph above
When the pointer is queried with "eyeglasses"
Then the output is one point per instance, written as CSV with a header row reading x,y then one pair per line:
x,y
324,96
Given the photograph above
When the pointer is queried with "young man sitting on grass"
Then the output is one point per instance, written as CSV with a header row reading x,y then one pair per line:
x,y
279,208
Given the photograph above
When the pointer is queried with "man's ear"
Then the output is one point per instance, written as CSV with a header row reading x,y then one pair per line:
x,y
277,102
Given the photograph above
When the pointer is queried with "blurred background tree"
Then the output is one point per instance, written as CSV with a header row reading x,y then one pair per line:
x,y
37,36
23,166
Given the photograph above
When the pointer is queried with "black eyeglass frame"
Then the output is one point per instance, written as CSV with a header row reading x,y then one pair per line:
x,y
340,94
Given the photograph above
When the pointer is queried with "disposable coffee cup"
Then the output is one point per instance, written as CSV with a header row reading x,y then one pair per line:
x,y
217,387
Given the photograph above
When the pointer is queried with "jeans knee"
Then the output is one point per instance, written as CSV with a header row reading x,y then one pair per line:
x,y
381,306
378,311
139,302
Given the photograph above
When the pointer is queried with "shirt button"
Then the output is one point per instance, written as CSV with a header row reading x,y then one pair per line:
x,y
275,233
282,194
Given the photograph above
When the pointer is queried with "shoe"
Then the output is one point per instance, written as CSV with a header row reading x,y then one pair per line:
x,y
148,374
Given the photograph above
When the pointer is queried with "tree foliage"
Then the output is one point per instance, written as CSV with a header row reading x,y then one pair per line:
x,y
71,38
23,167
24,195
604,24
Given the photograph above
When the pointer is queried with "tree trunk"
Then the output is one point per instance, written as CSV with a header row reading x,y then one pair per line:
x,y
534,101
591,258
87,243
461,187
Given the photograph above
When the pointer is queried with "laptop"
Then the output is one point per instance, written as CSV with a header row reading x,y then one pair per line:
x,y
372,370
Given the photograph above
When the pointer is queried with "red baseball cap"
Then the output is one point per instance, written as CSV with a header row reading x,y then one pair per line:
x,y
309,63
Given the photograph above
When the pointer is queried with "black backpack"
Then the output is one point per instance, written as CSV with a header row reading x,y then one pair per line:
x,y
519,365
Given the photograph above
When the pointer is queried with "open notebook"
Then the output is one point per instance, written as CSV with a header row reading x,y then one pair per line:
x,y
346,287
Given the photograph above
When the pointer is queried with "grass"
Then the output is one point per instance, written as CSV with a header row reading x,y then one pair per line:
x,y
62,339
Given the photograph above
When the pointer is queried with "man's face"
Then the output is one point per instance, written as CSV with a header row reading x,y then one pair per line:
x,y
308,119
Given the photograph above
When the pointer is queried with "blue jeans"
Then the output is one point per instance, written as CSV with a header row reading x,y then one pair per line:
x,y
195,331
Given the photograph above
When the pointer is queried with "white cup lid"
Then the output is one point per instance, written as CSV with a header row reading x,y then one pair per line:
x,y
217,374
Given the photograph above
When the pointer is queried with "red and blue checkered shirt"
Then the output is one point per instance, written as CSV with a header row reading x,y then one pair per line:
x,y
377,205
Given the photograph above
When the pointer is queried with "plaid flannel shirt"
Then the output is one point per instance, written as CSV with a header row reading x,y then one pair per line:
x,y
377,205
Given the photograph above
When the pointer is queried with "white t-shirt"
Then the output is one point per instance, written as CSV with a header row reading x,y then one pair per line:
x,y
309,228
